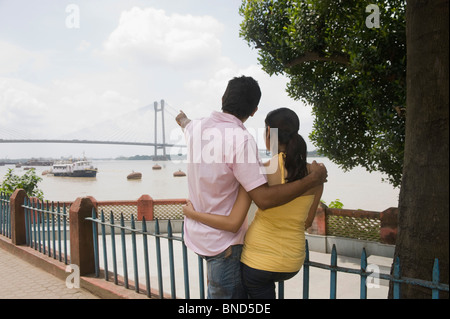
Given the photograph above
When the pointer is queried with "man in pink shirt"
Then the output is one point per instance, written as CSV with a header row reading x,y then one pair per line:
x,y
222,155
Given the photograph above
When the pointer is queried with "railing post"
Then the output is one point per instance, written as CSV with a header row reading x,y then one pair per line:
x,y
363,284
389,226
306,272
94,202
397,277
145,208
18,232
435,292
333,273
81,235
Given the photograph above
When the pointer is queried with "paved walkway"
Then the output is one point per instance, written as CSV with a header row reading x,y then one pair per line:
x,y
21,280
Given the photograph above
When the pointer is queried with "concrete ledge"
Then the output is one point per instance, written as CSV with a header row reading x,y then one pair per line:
x,y
317,243
348,246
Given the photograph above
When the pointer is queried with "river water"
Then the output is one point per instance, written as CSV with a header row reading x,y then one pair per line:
x,y
356,189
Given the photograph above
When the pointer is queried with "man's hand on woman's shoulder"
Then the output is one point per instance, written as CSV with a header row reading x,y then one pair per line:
x,y
319,171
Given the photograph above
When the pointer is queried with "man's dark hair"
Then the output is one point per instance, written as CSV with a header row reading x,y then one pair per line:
x,y
241,98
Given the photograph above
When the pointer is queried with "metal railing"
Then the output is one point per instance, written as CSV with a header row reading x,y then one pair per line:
x,y
5,215
375,276
364,272
46,228
106,253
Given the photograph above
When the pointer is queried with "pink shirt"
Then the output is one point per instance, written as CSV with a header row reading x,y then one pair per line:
x,y
221,156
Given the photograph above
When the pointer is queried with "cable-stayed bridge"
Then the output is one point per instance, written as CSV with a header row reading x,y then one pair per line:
x,y
133,128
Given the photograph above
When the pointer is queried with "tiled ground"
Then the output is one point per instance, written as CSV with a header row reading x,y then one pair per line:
x,y
21,280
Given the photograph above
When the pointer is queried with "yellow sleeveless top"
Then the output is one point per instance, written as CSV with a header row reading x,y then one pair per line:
x,y
275,240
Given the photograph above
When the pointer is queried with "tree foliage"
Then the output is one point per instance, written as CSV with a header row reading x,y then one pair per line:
x,y
28,182
354,76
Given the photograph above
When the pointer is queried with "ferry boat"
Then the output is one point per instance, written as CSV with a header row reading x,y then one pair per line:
x,y
82,168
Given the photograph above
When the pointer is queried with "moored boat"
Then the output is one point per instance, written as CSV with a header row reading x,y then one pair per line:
x,y
82,168
179,173
134,175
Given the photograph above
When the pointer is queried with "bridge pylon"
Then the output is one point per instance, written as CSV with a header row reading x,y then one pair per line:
x,y
164,156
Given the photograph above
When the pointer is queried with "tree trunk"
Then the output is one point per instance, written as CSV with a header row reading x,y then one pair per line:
x,y
424,196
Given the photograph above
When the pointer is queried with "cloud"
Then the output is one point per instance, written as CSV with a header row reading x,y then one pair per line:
x,y
55,110
86,103
152,37
83,46
208,94
21,104
14,59
11,57
209,91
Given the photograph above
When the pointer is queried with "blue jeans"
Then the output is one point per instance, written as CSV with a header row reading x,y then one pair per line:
x,y
260,284
224,274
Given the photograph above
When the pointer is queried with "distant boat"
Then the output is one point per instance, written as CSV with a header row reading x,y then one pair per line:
x,y
134,175
179,173
82,168
156,166
34,162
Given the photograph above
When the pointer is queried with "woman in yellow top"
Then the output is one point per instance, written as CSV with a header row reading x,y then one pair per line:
x,y
274,247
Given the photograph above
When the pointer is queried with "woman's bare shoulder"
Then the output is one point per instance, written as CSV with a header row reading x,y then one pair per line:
x,y
273,171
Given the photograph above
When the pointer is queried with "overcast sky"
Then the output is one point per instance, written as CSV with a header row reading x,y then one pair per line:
x,y
86,69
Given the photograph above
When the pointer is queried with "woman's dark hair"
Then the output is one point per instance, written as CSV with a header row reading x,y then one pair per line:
x,y
288,124
241,98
